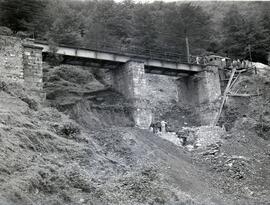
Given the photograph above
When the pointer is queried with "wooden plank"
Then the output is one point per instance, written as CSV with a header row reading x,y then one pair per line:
x,y
224,98
243,95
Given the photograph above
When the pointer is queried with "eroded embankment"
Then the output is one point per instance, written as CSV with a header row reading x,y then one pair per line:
x,y
237,164
87,97
47,158
86,94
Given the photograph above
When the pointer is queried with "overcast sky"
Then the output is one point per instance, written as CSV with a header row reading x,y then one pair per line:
x,y
183,0
145,1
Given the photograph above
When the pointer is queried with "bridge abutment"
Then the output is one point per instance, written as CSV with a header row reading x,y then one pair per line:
x,y
33,71
130,81
201,91
21,62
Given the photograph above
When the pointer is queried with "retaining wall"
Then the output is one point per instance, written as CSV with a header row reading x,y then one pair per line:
x,y
21,61
11,58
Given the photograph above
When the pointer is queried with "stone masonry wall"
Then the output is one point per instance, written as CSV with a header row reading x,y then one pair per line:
x,y
202,92
187,91
209,94
11,60
161,89
131,82
21,61
33,71
208,85
201,88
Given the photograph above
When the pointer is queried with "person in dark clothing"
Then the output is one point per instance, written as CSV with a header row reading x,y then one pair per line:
x,y
182,136
158,125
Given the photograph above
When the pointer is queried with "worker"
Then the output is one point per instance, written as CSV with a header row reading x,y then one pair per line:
x,y
163,126
198,60
184,140
182,136
238,63
158,126
151,127
243,64
204,60
223,63
234,63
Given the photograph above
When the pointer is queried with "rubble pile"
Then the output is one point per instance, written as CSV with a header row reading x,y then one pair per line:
x,y
202,136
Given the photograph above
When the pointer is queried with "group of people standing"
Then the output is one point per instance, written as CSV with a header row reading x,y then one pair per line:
x,y
241,64
160,126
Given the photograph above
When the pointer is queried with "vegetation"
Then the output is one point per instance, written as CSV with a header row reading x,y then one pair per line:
x,y
238,30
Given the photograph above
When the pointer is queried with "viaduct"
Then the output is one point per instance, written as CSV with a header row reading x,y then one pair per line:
x,y
21,61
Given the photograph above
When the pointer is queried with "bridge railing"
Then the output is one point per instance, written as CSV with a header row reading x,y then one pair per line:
x,y
138,51
135,51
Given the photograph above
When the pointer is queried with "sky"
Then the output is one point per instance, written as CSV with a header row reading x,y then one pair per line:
x,y
145,1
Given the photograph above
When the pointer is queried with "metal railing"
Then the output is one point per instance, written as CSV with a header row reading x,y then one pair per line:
x,y
135,51
138,51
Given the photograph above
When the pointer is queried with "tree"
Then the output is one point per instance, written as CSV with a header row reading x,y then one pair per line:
x,y
144,27
185,20
245,35
21,15
108,23
62,24
233,24
265,24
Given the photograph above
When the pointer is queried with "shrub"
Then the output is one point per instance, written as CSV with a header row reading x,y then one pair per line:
x,y
30,102
74,74
3,86
69,130
22,34
5,31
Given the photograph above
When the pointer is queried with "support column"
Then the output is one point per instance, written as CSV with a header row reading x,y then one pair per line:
x,y
33,71
208,85
201,91
11,62
131,82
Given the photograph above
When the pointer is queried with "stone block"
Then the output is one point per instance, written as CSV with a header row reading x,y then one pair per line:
x,y
11,62
131,82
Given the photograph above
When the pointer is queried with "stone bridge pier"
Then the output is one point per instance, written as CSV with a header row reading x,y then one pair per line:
x,y
21,62
201,92
198,91
130,80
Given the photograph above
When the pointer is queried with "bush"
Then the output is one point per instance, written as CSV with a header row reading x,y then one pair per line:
x,y
22,34
30,102
74,74
3,86
69,130
5,31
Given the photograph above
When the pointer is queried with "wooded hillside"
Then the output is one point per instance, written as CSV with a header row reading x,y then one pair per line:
x,y
226,28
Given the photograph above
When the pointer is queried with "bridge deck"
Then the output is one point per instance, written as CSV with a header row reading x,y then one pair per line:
x,y
111,56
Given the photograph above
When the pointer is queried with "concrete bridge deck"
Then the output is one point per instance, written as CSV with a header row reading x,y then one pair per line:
x,y
152,64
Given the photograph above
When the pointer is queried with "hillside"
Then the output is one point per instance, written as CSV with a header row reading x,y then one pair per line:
x,y
96,158
223,27
46,158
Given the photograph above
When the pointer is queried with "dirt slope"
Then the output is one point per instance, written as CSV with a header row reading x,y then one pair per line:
x,y
46,158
